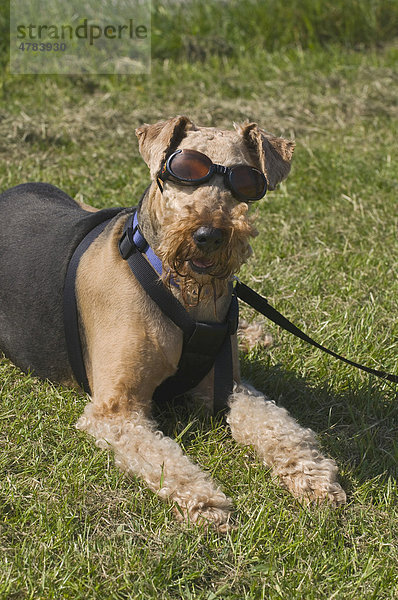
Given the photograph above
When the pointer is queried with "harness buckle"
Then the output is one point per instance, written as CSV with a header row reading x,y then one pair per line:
x,y
132,239
126,243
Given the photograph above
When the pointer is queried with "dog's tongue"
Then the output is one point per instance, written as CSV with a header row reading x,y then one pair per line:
x,y
202,263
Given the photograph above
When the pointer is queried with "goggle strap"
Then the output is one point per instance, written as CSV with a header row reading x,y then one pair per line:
x,y
220,169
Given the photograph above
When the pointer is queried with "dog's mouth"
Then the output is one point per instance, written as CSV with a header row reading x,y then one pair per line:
x,y
201,265
188,265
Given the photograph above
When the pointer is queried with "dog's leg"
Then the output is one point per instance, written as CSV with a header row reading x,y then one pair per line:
x,y
130,349
143,451
289,449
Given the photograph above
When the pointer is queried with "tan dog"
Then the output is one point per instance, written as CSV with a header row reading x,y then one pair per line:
x,y
201,232
131,347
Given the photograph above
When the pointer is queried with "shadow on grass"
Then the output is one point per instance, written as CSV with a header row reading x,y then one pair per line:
x,y
357,425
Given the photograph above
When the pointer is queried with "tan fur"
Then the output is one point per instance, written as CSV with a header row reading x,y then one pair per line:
x,y
124,331
273,154
177,246
131,347
86,207
285,446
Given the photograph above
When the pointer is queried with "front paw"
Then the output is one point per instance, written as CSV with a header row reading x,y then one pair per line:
x,y
314,483
215,512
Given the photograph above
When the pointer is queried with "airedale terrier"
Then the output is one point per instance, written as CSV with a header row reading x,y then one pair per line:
x,y
195,217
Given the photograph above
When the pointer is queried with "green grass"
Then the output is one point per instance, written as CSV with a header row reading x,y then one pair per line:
x,y
71,525
201,29
198,30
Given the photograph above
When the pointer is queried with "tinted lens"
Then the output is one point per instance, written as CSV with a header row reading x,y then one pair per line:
x,y
248,182
190,165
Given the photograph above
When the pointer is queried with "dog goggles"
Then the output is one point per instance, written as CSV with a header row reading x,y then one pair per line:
x,y
190,167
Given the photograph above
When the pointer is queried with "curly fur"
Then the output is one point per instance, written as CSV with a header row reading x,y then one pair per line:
x,y
251,335
177,247
140,449
285,446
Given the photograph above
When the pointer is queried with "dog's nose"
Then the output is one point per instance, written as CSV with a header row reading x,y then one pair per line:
x,y
208,239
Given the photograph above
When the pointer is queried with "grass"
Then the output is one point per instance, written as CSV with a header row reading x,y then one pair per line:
x,y
201,29
72,526
198,30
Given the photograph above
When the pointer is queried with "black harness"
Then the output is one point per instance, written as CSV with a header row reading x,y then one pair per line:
x,y
204,344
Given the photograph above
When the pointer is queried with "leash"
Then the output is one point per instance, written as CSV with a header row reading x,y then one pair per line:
x,y
261,305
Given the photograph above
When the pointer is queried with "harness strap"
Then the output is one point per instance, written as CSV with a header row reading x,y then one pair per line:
x,y
149,279
223,376
204,345
132,238
71,317
262,306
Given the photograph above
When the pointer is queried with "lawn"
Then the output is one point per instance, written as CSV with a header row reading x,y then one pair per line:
x,y
71,525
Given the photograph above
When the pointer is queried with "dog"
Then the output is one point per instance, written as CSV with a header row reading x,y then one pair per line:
x,y
196,218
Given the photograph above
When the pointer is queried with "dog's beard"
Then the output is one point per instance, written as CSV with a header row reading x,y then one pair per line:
x,y
182,261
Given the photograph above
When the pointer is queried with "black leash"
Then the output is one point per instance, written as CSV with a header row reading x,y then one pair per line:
x,y
262,306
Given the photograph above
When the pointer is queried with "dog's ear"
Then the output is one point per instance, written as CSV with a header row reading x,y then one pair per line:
x,y
273,154
156,142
